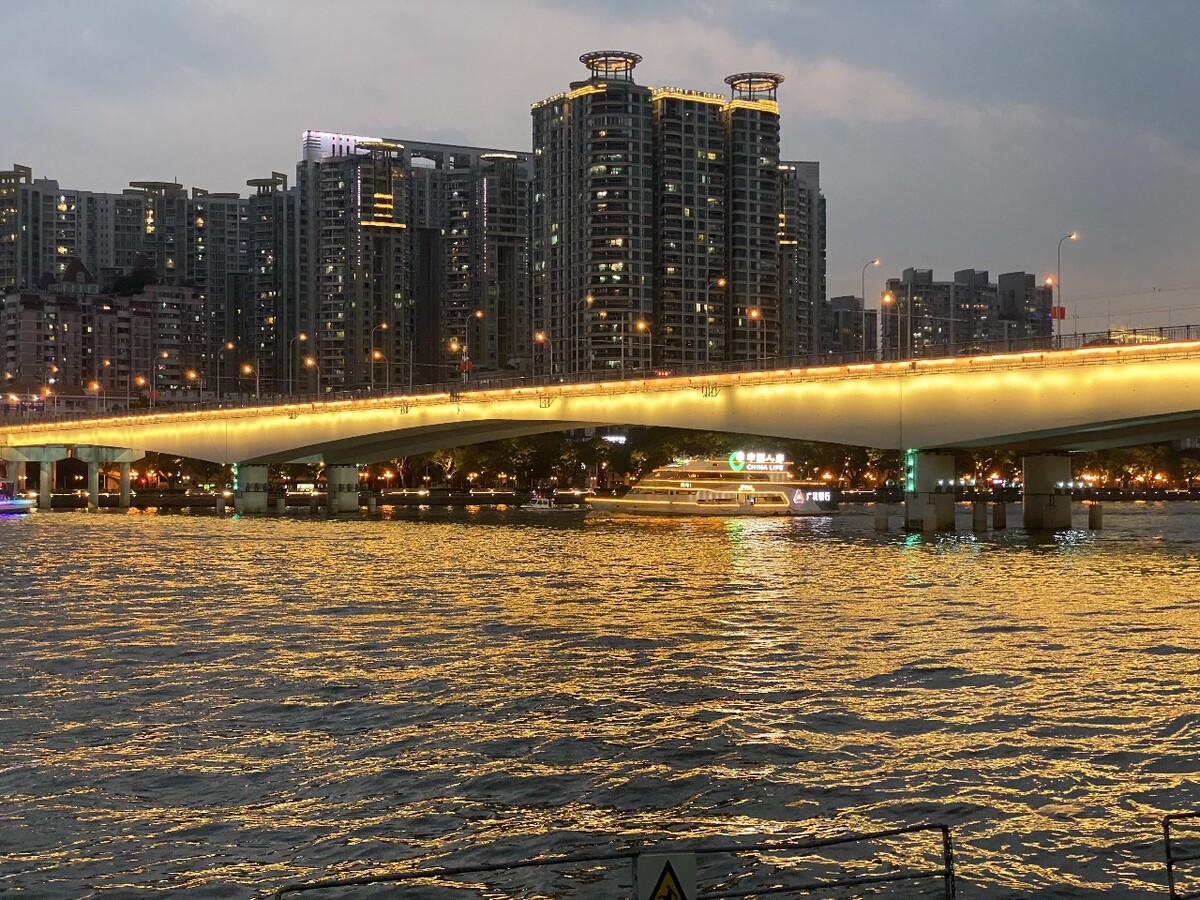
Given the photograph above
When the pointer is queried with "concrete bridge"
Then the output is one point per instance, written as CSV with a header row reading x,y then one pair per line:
x,y
1046,403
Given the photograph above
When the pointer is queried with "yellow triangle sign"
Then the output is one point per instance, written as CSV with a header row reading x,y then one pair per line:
x,y
668,887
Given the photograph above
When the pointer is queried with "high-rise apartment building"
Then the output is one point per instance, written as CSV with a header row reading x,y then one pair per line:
x,y
355,252
594,220
752,139
806,316
269,326
657,221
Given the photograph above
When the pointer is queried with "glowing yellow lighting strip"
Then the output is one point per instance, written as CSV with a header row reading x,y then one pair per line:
x,y
770,106
671,93
383,224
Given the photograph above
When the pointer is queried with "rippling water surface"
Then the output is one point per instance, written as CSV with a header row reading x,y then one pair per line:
x,y
214,707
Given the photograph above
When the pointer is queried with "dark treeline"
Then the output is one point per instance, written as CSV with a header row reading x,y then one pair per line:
x,y
567,460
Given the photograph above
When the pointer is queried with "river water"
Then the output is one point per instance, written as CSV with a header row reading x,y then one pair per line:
x,y
213,707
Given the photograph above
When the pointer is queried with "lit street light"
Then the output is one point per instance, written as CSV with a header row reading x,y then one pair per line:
x,y
382,326
756,314
376,356
715,283
1060,312
886,299
874,262
541,338
298,339
642,325
97,388
248,370
311,363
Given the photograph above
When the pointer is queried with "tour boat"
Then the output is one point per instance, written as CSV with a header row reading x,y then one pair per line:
x,y
741,484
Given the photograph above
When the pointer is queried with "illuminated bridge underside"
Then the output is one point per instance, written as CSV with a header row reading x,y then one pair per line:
x,y
1071,400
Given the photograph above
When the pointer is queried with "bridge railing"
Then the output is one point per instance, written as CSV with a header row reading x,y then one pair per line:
x,y
1182,855
15,410
780,867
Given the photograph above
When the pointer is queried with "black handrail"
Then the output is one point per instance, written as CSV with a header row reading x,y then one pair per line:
x,y
798,847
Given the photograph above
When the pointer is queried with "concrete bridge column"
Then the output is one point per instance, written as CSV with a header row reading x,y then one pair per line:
x,y
928,505
1046,496
250,489
126,492
343,489
94,456
47,456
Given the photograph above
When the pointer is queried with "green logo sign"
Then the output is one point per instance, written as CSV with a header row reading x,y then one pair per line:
x,y
737,460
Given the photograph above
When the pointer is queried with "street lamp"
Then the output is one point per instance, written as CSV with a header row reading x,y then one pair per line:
x,y
717,283
300,338
643,325
541,338
229,345
382,326
376,356
887,299
464,361
97,388
193,376
1061,311
248,370
581,329
756,314
162,354
874,262
311,363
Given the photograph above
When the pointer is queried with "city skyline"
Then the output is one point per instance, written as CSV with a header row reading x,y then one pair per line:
x,y
957,150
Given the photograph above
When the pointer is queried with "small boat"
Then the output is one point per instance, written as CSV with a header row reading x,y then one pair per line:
x,y
13,505
742,484
539,503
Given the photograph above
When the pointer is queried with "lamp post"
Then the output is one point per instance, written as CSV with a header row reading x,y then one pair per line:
x,y
298,339
643,325
1061,311
161,354
464,361
541,338
248,370
311,363
229,345
719,282
195,377
756,314
376,356
886,299
97,388
874,262
382,326
584,306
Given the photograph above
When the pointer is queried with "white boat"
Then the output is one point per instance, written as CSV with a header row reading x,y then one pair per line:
x,y
10,505
538,503
741,484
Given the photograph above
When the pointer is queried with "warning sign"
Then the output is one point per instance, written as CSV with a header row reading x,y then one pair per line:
x,y
666,876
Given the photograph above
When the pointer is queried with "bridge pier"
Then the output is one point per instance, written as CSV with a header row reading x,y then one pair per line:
x,y
94,457
928,505
1046,495
46,456
249,489
126,490
342,489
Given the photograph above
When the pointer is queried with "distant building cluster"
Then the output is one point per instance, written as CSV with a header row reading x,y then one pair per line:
x,y
649,229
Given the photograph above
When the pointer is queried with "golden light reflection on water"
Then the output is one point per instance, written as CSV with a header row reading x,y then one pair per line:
x,y
254,701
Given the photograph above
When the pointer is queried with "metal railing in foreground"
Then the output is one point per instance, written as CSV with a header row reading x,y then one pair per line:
x,y
763,869
1175,857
